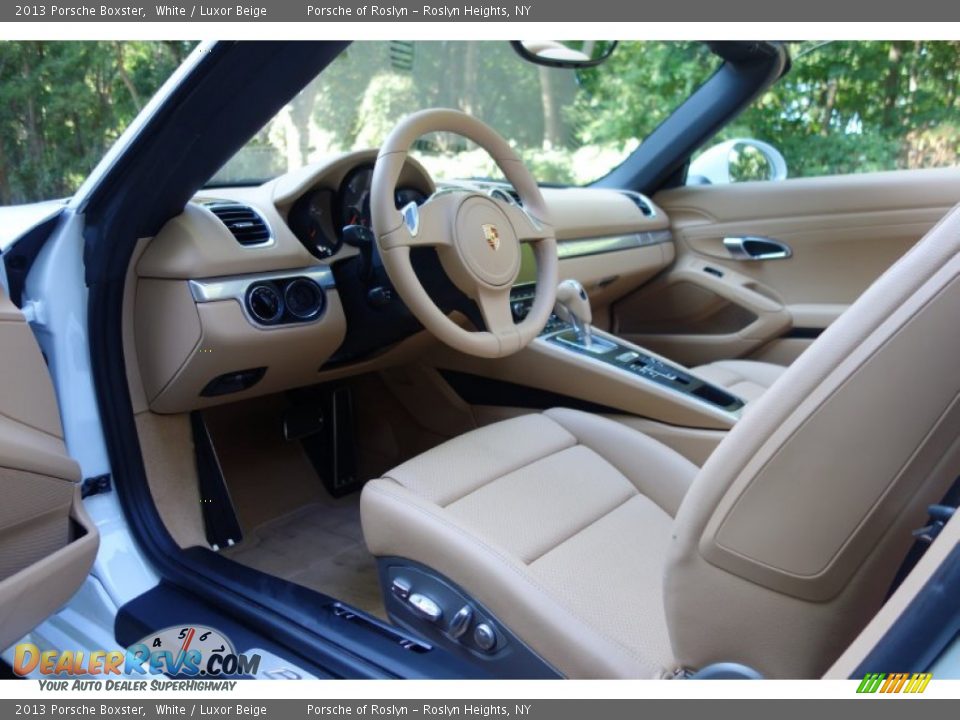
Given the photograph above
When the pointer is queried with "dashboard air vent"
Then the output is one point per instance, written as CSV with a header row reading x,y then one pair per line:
x,y
646,207
507,194
243,222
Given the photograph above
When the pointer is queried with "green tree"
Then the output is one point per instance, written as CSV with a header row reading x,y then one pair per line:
x,y
848,107
844,107
62,104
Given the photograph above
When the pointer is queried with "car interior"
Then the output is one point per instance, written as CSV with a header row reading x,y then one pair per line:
x,y
555,431
685,339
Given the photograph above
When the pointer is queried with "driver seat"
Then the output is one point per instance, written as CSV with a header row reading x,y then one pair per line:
x,y
609,555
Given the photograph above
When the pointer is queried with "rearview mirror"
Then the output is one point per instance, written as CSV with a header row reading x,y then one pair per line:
x,y
739,160
565,53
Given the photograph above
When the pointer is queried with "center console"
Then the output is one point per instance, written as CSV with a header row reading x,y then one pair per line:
x,y
608,351
648,367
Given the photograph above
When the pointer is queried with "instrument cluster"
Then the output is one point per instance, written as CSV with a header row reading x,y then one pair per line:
x,y
318,217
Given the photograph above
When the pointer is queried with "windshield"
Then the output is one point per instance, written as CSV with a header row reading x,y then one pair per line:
x,y
569,127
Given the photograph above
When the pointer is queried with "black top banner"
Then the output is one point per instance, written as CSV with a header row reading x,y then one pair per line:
x,y
437,11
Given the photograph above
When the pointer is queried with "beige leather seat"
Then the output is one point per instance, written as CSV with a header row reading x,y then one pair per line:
x,y
561,517
747,379
612,556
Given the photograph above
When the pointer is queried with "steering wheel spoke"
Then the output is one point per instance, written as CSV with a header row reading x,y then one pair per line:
x,y
426,225
495,307
526,226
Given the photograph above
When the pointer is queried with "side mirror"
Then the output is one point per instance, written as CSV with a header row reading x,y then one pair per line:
x,y
738,160
566,53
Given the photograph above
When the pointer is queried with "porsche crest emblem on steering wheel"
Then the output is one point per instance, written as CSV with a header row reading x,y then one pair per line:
x,y
492,235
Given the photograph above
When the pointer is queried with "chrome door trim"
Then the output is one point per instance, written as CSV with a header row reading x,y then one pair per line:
x,y
739,247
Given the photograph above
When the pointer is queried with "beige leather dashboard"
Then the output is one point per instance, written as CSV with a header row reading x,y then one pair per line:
x,y
193,330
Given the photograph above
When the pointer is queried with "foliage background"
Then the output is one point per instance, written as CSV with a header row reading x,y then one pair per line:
x,y
852,107
62,104
844,107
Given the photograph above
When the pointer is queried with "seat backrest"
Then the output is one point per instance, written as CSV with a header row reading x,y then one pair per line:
x,y
792,532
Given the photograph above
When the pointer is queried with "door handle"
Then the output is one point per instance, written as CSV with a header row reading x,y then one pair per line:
x,y
756,247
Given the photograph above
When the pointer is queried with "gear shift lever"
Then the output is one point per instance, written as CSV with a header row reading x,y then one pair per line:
x,y
573,306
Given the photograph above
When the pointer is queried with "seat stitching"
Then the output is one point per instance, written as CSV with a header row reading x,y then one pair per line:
x,y
485,482
508,472
527,465
572,440
589,524
625,476
509,563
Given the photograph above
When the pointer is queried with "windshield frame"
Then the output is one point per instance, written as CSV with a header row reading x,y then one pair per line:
x,y
662,160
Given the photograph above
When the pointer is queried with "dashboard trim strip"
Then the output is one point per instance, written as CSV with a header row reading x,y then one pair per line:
x,y
234,287
583,247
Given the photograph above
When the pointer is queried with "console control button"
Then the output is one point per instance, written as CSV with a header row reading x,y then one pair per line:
x,y
425,607
485,637
627,357
461,621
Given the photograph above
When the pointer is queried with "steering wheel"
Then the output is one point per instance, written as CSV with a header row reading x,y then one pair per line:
x,y
478,238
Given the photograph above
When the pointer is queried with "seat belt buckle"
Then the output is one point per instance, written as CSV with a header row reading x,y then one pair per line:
x,y
939,515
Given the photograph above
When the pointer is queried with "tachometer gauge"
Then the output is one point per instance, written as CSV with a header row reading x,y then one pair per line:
x,y
310,220
181,649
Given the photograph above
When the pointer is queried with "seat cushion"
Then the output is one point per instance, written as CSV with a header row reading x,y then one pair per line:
x,y
557,522
747,379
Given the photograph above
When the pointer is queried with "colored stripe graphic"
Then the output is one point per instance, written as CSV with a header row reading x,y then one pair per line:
x,y
871,682
913,683
919,684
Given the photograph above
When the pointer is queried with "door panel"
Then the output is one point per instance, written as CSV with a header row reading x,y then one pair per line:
x,y
47,543
700,311
842,231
